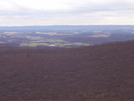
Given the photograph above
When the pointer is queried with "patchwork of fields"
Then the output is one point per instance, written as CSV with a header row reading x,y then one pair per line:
x,y
67,38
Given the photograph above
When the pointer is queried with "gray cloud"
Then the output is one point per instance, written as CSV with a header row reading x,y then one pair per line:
x,y
120,12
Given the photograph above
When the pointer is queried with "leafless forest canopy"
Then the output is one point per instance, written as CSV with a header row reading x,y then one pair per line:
x,y
102,72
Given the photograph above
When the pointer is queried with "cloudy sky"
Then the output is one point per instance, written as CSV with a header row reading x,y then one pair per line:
x,y
66,12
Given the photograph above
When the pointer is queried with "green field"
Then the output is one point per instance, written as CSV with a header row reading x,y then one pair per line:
x,y
55,43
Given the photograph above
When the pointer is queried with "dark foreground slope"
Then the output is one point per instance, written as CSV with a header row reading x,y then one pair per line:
x,y
96,73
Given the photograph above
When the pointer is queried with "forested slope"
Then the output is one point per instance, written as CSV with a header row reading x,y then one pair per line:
x,y
95,73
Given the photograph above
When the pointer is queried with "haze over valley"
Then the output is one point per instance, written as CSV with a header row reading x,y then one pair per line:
x,y
66,50
63,36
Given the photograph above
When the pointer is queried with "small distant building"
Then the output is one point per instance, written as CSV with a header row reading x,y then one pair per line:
x,y
52,45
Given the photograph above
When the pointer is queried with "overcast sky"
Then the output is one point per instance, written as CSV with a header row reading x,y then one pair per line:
x,y
66,12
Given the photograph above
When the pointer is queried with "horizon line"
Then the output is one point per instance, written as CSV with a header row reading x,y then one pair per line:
x,y
62,25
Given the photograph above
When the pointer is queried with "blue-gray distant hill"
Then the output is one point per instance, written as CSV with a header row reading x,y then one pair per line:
x,y
68,27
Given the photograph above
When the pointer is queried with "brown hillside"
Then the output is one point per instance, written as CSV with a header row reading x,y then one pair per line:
x,y
96,73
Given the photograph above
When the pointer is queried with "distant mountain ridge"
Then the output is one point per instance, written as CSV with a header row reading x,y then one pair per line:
x,y
68,27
